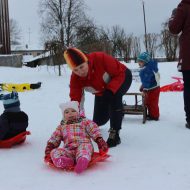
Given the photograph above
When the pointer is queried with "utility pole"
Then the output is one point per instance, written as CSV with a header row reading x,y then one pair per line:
x,y
29,32
4,28
145,33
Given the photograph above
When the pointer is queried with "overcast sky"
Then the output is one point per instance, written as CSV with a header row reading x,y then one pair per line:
x,y
126,13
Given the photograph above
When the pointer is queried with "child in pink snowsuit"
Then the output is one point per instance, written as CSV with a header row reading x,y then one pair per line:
x,y
76,133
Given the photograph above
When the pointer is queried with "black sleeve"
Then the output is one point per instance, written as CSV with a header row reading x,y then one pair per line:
x,y
4,126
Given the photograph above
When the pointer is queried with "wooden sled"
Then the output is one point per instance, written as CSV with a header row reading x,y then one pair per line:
x,y
136,109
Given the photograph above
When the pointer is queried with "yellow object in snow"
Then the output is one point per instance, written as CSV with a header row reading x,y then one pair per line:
x,y
15,87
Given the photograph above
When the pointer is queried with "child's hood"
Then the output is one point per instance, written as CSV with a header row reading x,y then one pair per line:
x,y
153,65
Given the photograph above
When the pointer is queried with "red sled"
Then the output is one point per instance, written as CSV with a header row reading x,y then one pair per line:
x,y
174,87
18,139
96,157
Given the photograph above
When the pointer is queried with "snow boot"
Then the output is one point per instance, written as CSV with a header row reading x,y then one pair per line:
x,y
150,118
63,162
82,164
35,85
113,139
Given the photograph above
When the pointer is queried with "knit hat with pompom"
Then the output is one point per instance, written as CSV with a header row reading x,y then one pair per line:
x,y
74,57
144,57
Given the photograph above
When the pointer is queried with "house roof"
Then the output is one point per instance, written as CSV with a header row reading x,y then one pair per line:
x,y
26,47
41,56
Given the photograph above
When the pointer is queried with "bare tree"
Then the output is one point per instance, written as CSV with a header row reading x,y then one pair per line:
x,y
136,47
127,47
152,43
51,20
60,19
169,43
118,37
104,38
90,37
15,32
87,36
75,15
55,50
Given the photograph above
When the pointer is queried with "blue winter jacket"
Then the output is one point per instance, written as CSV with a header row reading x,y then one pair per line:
x,y
149,75
12,123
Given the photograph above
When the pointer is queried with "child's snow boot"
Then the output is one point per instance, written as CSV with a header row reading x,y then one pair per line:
x,y
63,162
82,164
150,118
113,139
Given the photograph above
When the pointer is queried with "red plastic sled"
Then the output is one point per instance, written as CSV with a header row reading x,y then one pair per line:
x,y
176,86
20,138
97,157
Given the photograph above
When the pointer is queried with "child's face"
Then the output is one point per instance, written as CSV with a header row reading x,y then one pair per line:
x,y
70,114
141,63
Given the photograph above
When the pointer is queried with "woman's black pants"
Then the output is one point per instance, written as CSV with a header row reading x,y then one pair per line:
x,y
186,94
104,111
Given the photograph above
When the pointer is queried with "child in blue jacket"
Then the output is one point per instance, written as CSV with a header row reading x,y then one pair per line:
x,y
150,79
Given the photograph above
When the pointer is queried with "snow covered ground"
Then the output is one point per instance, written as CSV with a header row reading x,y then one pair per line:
x,y
152,156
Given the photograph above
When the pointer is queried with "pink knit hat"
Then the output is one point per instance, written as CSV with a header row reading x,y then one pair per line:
x,y
71,104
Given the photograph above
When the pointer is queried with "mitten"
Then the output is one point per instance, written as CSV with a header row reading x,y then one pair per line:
x,y
50,146
141,88
107,96
47,158
14,95
102,145
179,67
82,113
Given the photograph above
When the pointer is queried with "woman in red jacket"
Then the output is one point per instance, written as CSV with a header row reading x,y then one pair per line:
x,y
107,79
180,23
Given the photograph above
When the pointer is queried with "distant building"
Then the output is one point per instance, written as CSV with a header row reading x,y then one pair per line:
x,y
11,60
27,50
42,59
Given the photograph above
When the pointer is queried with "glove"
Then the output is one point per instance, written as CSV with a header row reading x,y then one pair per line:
x,y
102,145
107,96
141,88
47,158
179,67
82,113
14,95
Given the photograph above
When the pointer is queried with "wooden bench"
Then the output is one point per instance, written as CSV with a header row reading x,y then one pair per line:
x,y
138,108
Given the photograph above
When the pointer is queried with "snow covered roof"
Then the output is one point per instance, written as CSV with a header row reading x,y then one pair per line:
x,y
26,47
41,56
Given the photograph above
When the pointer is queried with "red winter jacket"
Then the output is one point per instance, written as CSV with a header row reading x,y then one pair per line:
x,y
180,22
105,72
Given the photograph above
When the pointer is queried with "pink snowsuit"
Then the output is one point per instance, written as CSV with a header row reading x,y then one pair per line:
x,y
77,140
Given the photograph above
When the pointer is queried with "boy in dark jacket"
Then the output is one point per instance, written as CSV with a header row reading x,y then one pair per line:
x,y
13,121
179,23
150,79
